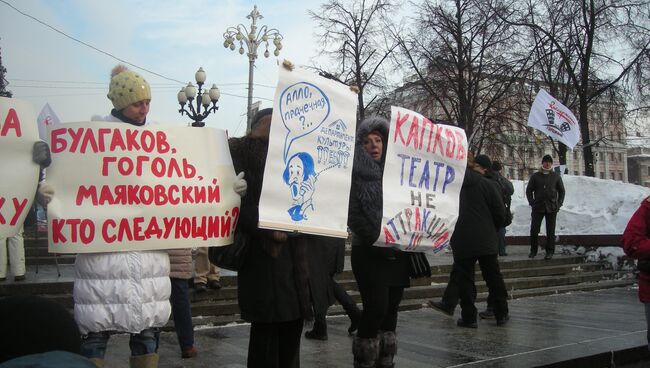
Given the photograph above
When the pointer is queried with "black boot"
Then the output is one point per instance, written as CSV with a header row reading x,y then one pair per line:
x,y
387,349
319,332
365,351
349,306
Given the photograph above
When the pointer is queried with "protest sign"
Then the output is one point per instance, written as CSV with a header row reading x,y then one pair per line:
x,y
122,188
309,163
423,174
555,120
18,132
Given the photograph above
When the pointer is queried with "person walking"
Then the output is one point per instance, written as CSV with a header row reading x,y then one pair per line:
x,y
636,244
326,258
481,213
545,194
381,273
272,283
122,291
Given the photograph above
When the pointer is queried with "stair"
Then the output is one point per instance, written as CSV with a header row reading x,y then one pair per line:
x,y
523,278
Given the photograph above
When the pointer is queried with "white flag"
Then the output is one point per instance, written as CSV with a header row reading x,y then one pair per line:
x,y
46,118
552,118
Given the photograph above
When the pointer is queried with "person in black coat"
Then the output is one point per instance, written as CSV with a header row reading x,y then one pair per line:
x,y
272,287
381,273
326,258
545,194
481,213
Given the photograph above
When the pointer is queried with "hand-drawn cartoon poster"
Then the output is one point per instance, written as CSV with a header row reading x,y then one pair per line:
x,y
309,163
121,188
423,174
18,132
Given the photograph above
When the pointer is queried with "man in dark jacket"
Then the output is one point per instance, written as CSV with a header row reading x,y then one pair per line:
x,y
481,213
545,194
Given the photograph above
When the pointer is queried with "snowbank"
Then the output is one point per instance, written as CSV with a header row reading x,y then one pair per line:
x,y
591,206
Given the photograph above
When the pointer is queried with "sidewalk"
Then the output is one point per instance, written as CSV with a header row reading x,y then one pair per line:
x,y
542,331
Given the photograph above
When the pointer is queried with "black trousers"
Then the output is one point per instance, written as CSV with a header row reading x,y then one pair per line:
x,y
467,287
380,306
535,225
275,345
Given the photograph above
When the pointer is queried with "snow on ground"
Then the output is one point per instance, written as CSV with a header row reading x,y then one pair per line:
x,y
591,206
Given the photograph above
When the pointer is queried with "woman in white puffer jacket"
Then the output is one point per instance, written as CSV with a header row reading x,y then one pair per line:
x,y
122,291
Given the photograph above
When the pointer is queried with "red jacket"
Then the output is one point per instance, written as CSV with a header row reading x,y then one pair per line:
x,y
636,243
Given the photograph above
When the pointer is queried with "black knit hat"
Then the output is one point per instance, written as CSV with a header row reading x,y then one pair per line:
x,y
547,158
483,161
496,165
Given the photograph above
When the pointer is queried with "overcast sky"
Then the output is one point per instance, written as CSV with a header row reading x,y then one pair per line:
x,y
171,38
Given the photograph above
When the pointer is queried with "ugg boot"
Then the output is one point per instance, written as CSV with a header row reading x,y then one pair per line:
x,y
387,349
319,332
98,362
365,351
144,361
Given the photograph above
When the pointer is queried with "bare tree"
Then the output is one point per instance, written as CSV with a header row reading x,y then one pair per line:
x,y
352,35
468,65
592,48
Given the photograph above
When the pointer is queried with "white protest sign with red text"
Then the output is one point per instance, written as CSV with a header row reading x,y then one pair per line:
x,y
18,132
423,174
118,187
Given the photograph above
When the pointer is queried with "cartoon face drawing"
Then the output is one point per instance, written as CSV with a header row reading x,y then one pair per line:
x,y
301,178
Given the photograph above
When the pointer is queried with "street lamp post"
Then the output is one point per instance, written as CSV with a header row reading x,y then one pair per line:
x,y
252,39
202,97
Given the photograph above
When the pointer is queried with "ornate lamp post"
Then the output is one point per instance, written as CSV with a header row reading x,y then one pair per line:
x,y
252,39
202,98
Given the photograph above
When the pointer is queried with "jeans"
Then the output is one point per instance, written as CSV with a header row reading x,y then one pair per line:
x,y
94,344
501,234
182,312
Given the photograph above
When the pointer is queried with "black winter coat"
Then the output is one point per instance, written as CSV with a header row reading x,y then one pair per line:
x,y
371,264
267,286
545,192
325,257
481,213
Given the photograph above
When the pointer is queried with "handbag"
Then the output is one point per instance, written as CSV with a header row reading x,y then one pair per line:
x,y
232,256
418,265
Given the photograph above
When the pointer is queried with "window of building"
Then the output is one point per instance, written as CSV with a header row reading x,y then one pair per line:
x,y
620,138
511,171
575,172
620,157
602,175
648,170
620,176
611,175
611,156
575,155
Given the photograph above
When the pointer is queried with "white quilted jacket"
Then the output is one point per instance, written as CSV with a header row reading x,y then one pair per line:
x,y
121,291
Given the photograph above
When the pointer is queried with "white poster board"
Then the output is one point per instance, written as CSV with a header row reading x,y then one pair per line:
x,y
423,174
309,163
18,133
118,187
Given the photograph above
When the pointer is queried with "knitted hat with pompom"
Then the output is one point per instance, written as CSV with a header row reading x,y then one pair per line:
x,y
127,87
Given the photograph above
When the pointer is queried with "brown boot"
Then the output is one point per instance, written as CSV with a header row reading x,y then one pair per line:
x,y
99,363
365,351
144,361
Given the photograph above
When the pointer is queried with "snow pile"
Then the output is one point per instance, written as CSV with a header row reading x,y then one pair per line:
x,y
591,206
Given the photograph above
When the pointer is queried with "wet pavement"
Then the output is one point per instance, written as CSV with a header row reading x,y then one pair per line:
x,y
542,331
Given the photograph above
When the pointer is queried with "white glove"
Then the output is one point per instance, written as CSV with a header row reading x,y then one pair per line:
x,y
240,184
45,193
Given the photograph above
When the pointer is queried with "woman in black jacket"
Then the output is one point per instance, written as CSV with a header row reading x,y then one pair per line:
x,y
272,287
381,273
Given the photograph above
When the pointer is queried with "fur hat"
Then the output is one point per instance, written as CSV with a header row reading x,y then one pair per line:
x,y
374,124
547,158
127,87
483,161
